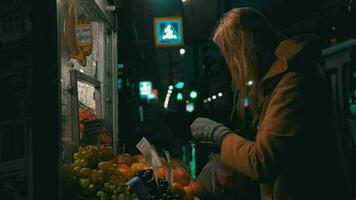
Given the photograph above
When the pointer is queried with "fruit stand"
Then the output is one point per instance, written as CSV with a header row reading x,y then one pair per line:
x,y
97,173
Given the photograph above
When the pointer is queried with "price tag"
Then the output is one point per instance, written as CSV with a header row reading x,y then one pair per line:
x,y
151,155
149,152
155,159
144,146
83,32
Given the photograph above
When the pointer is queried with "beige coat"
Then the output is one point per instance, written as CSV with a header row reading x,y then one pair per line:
x,y
297,154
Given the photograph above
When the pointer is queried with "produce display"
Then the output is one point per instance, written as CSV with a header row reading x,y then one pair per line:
x,y
97,173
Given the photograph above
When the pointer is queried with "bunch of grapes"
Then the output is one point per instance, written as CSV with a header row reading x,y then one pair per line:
x,y
114,192
95,174
162,192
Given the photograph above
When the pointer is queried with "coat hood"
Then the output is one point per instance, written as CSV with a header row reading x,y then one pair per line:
x,y
301,51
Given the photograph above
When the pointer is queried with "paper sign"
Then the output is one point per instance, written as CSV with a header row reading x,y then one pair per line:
x,y
144,146
83,32
149,152
155,159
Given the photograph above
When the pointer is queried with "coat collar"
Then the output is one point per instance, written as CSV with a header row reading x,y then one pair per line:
x,y
286,51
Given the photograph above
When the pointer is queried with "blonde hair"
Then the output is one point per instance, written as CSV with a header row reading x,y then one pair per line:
x,y
247,40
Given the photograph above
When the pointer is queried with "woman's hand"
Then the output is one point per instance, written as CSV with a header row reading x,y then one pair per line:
x,y
207,130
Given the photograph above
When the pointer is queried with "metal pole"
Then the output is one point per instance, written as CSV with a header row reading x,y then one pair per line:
x,y
170,66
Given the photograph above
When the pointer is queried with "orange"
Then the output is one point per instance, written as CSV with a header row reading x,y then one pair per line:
x,y
181,176
139,158
125,158
161,172
85,172
95,175
105,165
178,189
125,171
105,152
189,193
81,127
137,166
197,189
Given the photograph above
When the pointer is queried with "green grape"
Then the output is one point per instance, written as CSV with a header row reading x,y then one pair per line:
x,y
92,188
122,189
76,156
76,170
107,186
112,188
83,163
84,183
122,197
100,193
135,197
77,163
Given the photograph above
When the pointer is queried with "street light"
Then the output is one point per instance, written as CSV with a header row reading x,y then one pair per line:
x,y
193,94
182,51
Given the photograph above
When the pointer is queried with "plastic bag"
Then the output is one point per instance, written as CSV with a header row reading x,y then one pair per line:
x,y
213,176
216,178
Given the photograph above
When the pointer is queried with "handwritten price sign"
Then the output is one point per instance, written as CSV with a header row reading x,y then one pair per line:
x,y
83,34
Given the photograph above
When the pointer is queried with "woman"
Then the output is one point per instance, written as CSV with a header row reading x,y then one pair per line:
x,y
296,154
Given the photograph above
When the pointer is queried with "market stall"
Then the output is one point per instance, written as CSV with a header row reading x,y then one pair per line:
x,y
94,167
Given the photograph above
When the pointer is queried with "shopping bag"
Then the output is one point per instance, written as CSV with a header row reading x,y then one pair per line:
x,y
216,178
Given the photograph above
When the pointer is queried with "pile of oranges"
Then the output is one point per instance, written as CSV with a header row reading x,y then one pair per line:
x,y
183,182
128,165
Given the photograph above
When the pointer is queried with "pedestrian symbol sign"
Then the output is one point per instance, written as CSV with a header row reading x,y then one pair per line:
x,y
168,31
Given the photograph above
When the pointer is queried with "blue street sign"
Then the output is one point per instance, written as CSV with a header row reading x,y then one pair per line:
x,y
145,88
168,31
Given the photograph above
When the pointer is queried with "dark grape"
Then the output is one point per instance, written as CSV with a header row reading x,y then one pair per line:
x,y
175,196
163,184
153,197
144,178
149,173
166,196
